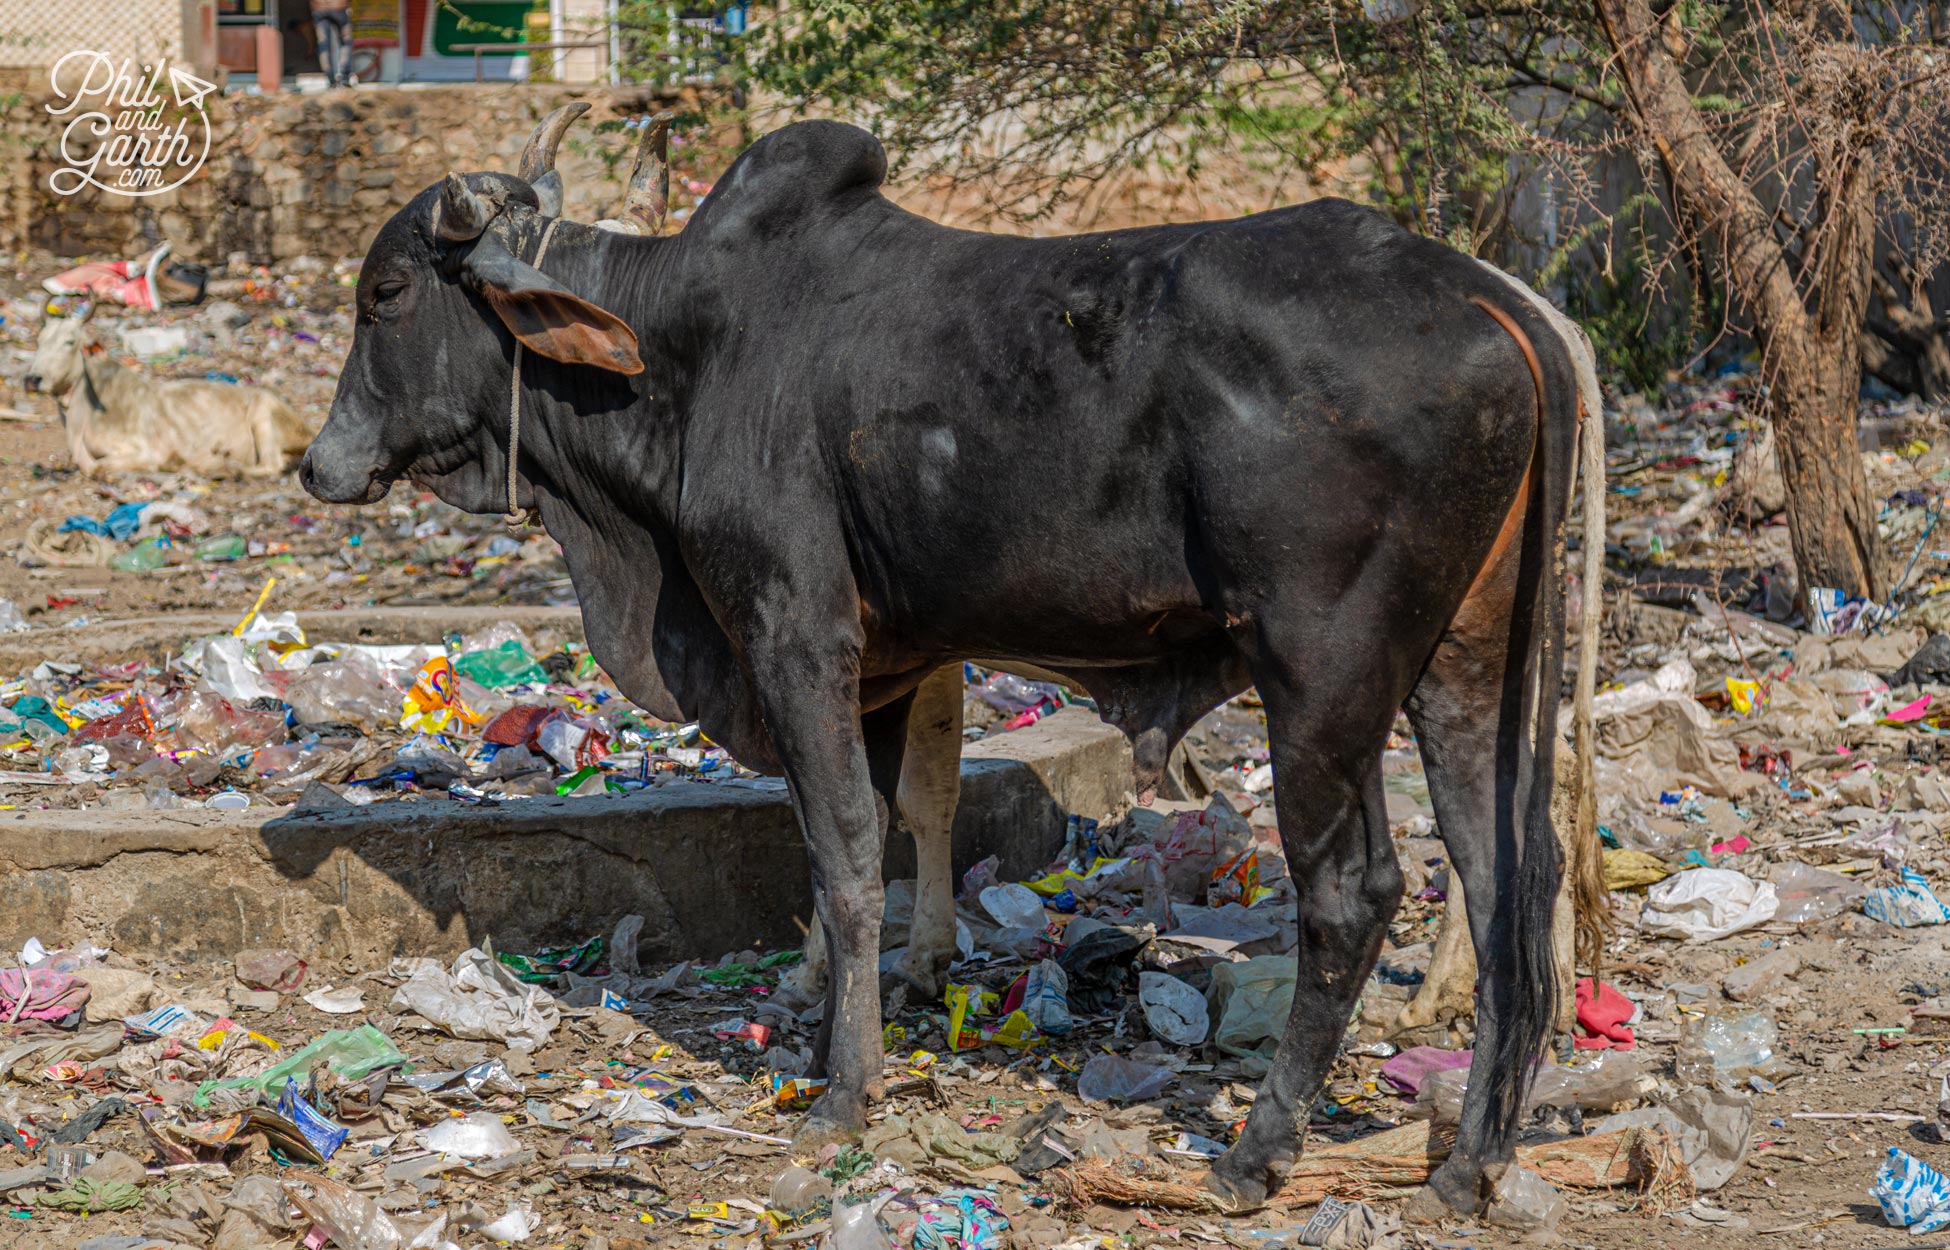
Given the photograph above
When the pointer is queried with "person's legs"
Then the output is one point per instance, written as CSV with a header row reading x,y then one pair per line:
x,y
334,56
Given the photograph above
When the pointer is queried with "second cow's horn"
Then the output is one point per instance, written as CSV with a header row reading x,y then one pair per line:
x,y
649,196
538,156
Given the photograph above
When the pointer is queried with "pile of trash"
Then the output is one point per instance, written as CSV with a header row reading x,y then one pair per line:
x,y
1100,1040
258,715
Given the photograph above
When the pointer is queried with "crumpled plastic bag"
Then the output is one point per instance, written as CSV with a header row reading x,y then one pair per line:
x,y
480,999
477,1136
1907,904
84,1196
1808,894
1250,1001
1653,735
1913,1194
1701,904
1046,998
1174,1010
1112,1078
350,1054
1713,1129
229,670
1525,1202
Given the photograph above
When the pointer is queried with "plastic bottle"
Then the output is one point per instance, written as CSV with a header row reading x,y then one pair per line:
x,y
1725,1045
141,558
798,1190
857,1227
222,547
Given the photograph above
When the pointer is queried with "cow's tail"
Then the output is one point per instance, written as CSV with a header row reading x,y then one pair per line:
x,y
1518,991
1591,903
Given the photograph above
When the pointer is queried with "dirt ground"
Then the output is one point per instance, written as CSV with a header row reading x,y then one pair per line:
x,y
1863,1027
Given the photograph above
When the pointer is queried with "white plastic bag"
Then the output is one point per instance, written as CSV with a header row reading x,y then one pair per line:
x,y
1046,998
229,671
477,1136
480,999
1174,1010
1014,906
516,1225
1701,904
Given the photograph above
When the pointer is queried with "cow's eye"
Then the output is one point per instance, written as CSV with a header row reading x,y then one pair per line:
x,y
387,292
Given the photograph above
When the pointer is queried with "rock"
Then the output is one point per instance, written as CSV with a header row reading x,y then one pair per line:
x,y
1859,788
1762,976
253,1000
116,993
116,1166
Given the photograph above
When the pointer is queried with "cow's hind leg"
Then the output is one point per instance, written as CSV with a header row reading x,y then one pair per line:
x,y
930,786
1480,714
1327,727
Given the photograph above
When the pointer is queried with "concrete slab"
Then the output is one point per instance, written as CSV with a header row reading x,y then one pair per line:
x,y
713,868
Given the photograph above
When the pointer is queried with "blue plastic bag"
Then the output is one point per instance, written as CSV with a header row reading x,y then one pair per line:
x,y
1911,903
318,1130
1913,1194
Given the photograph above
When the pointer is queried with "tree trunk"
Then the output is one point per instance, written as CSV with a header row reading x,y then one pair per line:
x,y
1811,350
1831,517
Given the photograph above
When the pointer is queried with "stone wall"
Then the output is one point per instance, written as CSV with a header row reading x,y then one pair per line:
x,y
316,175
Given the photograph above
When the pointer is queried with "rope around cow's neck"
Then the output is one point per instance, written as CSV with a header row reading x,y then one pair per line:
x,y
518,518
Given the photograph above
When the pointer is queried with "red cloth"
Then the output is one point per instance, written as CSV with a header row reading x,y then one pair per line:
x,y
1602,1015
517,726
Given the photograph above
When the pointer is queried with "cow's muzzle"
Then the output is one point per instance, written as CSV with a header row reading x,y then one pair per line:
x,y
339,484
31,384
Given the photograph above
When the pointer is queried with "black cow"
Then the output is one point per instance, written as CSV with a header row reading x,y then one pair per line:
x,y
814,448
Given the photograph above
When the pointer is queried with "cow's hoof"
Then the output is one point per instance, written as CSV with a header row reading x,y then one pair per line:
x,y
925,978
799,993
830,1123
1238,1185
1454,1192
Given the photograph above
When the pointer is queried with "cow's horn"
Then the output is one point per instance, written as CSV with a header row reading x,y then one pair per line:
x,y
459,214
649,196
538,157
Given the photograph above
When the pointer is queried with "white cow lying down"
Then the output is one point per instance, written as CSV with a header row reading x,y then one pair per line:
x,y
122,421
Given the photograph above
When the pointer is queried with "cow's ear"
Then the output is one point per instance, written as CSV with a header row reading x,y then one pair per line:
x,y
546,316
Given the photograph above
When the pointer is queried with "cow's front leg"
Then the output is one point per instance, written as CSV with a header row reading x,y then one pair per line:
x,y
811,707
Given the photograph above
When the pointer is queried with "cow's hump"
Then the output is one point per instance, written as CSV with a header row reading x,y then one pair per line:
x,y
803,170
